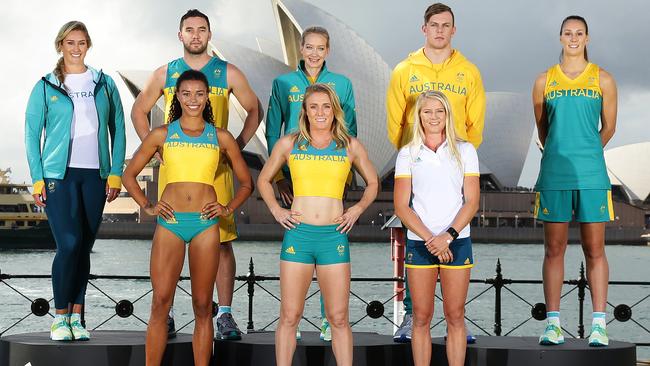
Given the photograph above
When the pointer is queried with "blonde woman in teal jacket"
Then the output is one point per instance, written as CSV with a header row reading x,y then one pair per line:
x,y
75,167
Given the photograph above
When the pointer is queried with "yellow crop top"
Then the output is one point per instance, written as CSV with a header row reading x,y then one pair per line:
x,y
191,159
319,172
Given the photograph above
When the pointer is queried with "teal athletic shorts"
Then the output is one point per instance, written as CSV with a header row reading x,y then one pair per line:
x,y
418,256
313,244
187,225
586,205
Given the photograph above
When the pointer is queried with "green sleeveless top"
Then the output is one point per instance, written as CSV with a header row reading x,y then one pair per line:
x,y
573,153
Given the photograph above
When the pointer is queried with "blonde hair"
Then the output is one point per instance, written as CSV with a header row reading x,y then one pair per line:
x,y
339,130
417,141
315,30
74,25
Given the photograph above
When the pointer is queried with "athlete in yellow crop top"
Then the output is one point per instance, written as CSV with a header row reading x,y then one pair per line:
x,y
319,158
188,209
318,172
225,80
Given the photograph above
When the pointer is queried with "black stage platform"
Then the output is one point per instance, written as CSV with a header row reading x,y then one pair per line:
x,y
376,350
105,348
125,348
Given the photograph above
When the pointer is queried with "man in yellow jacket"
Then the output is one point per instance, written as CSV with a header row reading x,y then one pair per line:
x,y
436,66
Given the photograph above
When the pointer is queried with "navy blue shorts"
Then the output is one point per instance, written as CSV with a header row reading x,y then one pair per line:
x,y
417,255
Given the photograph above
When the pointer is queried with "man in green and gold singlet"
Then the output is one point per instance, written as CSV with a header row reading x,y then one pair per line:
x,y
224,78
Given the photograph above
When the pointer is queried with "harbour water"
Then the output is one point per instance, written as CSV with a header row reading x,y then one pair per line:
x,y
519,261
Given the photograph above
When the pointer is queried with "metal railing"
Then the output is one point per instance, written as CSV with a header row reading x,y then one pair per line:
x,y
374,309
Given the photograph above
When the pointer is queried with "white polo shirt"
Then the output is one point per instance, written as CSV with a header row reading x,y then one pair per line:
x,y
437,184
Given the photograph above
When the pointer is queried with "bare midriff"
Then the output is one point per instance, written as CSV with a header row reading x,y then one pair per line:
x,y
188,196
317,210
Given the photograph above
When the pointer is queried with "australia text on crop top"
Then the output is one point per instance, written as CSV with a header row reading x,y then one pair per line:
x,y
191,159
318,172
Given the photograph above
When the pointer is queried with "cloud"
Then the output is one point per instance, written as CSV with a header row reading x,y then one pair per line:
x,y
243,21
633,117
510,41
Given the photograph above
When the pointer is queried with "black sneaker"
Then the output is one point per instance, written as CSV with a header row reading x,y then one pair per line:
x,y
227,328
171,327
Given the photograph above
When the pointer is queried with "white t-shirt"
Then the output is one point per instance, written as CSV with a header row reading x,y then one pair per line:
x,y
437,184
84,150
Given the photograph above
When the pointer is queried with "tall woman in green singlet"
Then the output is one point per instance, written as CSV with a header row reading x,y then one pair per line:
x,y
188,211
319,157
569,100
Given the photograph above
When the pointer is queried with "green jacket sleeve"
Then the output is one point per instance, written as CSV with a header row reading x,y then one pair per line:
x,y
116,129
349,109
274,117
34,124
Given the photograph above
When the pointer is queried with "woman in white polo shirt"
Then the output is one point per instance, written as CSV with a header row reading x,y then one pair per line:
x,y
436,195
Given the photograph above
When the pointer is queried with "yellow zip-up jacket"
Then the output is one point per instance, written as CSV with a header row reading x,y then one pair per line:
x,y
457,78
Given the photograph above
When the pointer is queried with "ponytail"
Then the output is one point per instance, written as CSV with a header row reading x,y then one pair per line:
x,y
59,71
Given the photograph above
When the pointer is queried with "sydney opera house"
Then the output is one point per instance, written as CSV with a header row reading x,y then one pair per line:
x,y
509,125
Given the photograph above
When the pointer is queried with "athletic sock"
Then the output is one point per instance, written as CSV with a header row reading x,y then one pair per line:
x,y
223,310
598,318
553,317
75,316
58,317
171,311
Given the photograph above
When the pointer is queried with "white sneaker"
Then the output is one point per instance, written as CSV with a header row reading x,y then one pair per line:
x,y
60,329
79,333
325,331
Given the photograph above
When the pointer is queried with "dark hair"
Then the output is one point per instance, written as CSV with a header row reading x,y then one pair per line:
x,y
580,19
437,8
175,110
193,13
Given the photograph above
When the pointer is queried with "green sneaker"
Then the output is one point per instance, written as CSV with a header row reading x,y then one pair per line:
x,y
325,331
598,336
552,335
60,330
79,333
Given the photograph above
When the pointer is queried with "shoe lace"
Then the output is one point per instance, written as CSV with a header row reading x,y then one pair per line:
x,y
60,323
599,329
552,328
75,324
408,321
229,322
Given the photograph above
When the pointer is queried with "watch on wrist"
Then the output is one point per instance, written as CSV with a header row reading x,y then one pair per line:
x,y
453,233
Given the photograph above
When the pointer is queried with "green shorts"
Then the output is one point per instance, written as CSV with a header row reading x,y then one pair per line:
x,y
586,205
313,244
187,225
